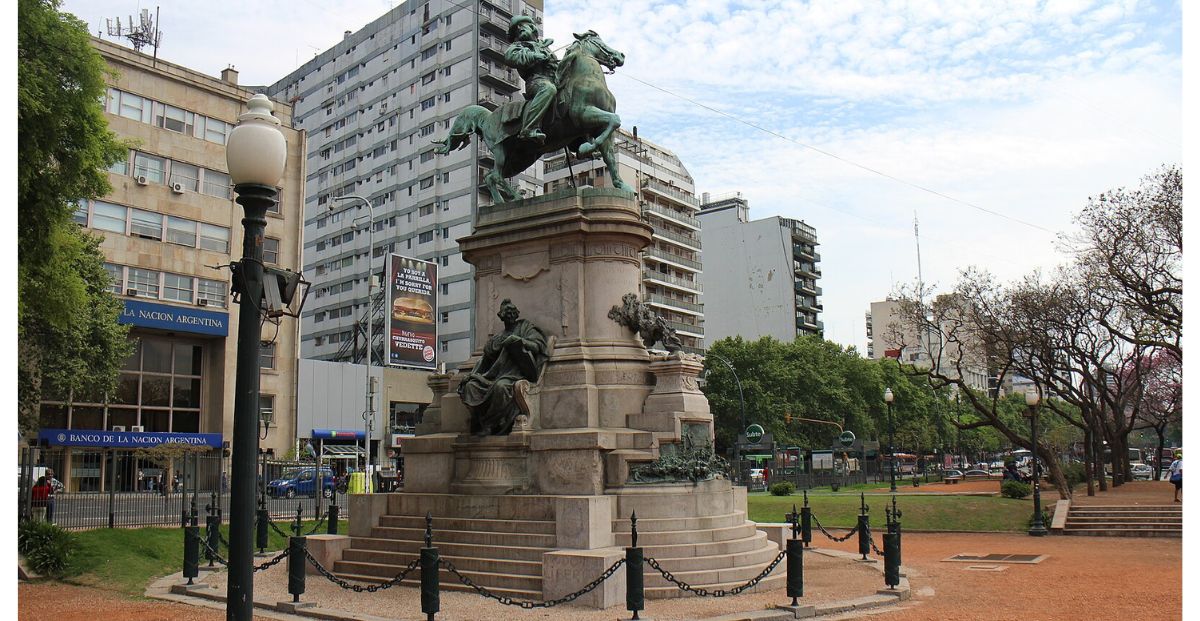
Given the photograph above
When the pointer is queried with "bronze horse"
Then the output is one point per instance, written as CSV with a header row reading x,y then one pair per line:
x,y
582,119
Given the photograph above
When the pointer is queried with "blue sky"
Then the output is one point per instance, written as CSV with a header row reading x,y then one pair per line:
x,y
1020,108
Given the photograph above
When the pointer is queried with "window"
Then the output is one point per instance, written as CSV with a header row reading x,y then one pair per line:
x,y
216,184
121,166
215,131
149,166
116,274
266,409
213,291
426,210
146,224
174,119
270,250
134,107
445,232
213,237
266,356
427,183
446,97
445,317
108,217
428,53
319,317
428,103
185,175
446,177
428,77
425,131
427,236
181,231
445,288
145,282
81,213
177,288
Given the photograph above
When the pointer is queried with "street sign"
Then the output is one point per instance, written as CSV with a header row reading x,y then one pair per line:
x,y
847,439
754,433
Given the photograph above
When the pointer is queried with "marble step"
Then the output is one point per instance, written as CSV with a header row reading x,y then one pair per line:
x,y
652,525
514,507
533,540
1071,524
464,563
759,557
515,553
491,580
704,577
740,531
543,527
706,548
776,580
1124,532
447,582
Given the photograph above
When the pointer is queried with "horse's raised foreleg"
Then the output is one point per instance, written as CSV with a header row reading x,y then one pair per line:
x,y
610,161
497,185
591,116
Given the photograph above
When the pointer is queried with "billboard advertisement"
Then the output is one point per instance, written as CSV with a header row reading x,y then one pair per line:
x,y
412,308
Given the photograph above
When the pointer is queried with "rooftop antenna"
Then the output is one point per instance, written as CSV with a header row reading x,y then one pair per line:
x,y
141,33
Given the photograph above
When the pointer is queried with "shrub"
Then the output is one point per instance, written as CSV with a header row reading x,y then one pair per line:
x,y
1015,489
1074,473
1045,519
45,546
783,488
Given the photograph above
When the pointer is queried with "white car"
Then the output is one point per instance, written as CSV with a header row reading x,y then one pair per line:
x,y
756,475
1141,472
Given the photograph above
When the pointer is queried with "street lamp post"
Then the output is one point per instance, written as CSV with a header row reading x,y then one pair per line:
x,y
888,397
369,414
1038,529
741,404
256,153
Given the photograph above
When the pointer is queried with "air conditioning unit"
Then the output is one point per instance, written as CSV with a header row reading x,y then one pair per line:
x,y
177,188
118,428
142,180
202,302
137,429
131,293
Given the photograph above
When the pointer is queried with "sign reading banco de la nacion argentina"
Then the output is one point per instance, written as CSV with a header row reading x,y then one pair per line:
x,y
125,439
174,318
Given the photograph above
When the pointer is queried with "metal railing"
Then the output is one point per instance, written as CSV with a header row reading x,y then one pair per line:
x,y
686,240
679,326
673,280
672,192
672,214
659,253
666,301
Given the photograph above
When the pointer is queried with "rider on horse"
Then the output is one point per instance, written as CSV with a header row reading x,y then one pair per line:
x,y
537,64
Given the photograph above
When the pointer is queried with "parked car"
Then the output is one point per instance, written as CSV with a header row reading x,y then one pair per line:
x,y
1141,472
756,475
980,474
947,474
301,482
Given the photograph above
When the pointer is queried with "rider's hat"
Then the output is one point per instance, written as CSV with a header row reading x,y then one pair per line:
x,y
517,20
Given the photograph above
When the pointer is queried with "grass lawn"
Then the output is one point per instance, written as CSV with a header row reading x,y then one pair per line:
x,y
971,513
127,559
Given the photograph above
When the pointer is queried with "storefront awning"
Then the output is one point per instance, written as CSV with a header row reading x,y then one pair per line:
x,y
337,434
341,451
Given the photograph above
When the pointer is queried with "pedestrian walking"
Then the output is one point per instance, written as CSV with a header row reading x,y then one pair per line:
x,y
39,496
1176,475
56,486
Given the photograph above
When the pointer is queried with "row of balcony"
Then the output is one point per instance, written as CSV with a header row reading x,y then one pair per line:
x,y
675,216
663,255
671,192
675,281
675,303
690,241
679,326
507,77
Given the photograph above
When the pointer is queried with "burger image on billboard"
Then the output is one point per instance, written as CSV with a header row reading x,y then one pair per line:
x,y
414,310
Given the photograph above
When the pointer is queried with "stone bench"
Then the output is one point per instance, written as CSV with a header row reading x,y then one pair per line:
x,y
949,480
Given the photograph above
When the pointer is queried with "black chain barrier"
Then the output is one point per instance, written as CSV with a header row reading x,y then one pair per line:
x,y
651,561
265,565
527,604
317,525
827,533
275,528
215,554
875,549
359,588
273,562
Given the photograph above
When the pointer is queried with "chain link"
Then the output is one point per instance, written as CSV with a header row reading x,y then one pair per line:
x,y
317,525
828,534
273,562
653,562
527,604
877,551
275,528
213,553
359,588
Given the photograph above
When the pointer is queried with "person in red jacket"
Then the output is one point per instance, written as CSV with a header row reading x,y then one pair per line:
x,y
39,497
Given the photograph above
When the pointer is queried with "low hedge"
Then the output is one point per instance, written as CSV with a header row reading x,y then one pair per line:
x,y
46,547
1015,489
783,488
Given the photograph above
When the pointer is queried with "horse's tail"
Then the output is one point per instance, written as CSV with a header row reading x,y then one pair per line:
x,y
469,122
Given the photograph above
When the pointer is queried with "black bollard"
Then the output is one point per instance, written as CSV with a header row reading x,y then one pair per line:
x,y
635,592
297,556
195,513
891,559
296,526
333,519
191,552
430,601
213,530
261,534
806,522
864,528
894,528
795,569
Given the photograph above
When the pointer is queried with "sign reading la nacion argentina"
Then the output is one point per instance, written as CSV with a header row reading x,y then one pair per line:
x,y
174,318
129,439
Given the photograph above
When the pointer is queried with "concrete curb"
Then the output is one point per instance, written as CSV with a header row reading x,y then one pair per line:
x,y
170,588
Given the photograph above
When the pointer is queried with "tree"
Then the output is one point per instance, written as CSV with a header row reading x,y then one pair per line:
x,y
1161,403
69,339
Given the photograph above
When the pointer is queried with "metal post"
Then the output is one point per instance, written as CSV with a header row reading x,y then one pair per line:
x,y
262,535
891,448
635,592
369,414
795,561
255,199
191,552
333,519
1038,529
297,556
430,599
212,529
864,528
296,525
891,559
806,521
112,488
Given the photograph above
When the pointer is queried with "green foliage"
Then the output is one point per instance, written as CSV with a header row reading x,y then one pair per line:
x,y
68,338
940,512
1045,519
46,547
697,463
1075,473
1015,489
784,488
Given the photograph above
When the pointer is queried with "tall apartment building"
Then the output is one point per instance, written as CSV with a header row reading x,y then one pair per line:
x,y
372,105
765,277
169,225
671,264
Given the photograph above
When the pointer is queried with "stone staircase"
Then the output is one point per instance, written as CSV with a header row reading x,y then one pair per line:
x,y
1125,520
714,552
503,555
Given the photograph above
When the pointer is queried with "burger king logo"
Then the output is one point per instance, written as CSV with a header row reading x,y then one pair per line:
x,y
427,353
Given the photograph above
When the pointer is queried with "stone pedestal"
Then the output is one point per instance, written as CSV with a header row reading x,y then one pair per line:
x,y
676,409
